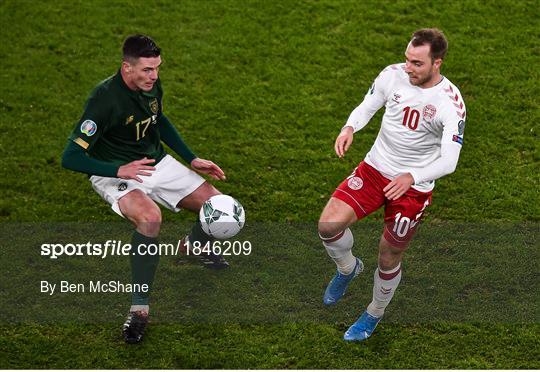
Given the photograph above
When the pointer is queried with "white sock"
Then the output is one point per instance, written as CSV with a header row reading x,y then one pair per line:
x,y
384,286
339,248
142,308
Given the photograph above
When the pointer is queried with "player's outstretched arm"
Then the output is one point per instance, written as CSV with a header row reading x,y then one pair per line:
x,y
344,141
74,158
208,167
444,165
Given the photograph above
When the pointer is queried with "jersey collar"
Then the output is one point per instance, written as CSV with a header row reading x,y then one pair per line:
x,y
122,84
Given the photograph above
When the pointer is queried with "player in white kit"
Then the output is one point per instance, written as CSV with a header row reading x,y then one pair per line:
x,y
419,141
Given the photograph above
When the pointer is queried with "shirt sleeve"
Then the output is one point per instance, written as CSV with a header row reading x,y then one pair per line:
x,y
444,165
172,138
76,159
453,120
93,122
374,99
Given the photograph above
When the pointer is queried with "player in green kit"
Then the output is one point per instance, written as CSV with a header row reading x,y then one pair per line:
x,y
117,142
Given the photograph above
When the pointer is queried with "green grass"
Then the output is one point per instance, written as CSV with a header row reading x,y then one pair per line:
x,y
275,283
295,345
262,88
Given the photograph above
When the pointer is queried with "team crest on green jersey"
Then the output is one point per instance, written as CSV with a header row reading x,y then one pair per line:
x,y
154,106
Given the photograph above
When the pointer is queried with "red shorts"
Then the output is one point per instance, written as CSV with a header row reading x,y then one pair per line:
x,y
363,191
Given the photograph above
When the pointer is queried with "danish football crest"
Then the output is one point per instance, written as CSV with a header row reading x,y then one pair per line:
x,y
355,183
429,112
154,106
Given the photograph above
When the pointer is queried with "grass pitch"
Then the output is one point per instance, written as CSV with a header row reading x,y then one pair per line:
x,y
262,88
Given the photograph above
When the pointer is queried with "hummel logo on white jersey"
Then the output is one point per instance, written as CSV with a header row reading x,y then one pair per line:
x,y
396,98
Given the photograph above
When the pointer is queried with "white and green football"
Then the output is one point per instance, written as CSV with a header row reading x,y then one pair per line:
x,y
222,216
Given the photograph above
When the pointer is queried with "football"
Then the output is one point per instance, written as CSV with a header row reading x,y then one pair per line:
x,y
222,216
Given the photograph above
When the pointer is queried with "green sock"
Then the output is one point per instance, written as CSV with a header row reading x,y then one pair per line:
x,y
198,235
143,267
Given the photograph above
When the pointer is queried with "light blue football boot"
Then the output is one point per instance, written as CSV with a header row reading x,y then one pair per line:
x,y
337,286
362,328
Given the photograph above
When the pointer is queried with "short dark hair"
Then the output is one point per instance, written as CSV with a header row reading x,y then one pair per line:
x,y
137,46
438,45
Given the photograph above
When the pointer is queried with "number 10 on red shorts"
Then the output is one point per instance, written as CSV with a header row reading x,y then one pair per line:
x,y
363,191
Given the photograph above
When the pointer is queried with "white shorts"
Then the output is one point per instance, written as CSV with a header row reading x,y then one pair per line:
x,y
169,183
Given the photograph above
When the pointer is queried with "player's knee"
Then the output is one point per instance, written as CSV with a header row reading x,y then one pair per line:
x,y
335,218
329,229
151,216
149,221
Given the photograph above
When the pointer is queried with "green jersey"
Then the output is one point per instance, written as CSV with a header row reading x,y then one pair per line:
x,y
120,125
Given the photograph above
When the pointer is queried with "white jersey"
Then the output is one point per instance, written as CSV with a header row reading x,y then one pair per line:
x,y
421,131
